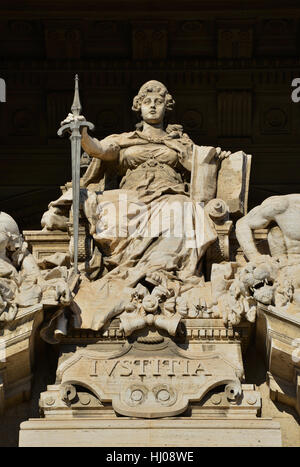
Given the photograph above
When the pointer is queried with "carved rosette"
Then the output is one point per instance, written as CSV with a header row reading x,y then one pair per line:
x,y
157,309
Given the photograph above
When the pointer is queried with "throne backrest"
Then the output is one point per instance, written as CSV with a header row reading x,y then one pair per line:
x,y
233,183
228,181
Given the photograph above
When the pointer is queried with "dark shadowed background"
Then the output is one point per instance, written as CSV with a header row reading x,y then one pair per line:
x,y
229,66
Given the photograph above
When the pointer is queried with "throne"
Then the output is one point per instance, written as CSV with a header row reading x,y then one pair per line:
x,y
225,201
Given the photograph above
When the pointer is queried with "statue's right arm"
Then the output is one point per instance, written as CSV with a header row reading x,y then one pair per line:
x,y
257,218
106,149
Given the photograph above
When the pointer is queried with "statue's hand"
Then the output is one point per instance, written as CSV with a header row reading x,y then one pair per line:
x,y
222,154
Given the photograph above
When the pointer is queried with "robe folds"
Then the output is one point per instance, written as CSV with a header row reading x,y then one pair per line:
x,y
143,220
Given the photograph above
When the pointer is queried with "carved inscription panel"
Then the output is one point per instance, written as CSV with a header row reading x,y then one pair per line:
x,y
144,384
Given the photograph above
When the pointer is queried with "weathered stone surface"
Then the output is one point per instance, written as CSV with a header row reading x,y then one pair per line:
x,y
25,291
150,381
160,433
178,345
277,290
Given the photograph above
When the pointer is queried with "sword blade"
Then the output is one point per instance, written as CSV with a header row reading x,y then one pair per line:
x,y
76,150
74,126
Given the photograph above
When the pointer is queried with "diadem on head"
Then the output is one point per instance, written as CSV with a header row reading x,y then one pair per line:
x,y
153,86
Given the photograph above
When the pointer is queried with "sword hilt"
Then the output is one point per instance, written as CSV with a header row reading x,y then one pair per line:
x,y
75,125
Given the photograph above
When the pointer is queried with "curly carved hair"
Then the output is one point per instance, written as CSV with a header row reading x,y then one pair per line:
x,y
153,86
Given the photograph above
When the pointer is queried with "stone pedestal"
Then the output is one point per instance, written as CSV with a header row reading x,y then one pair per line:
x,y
43,243
16,356
277,337
151,394
122,432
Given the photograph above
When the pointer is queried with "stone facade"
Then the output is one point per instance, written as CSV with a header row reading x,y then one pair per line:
x,y
109,332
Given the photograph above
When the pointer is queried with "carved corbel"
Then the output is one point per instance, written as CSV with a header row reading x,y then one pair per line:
x,y
67,393
277,338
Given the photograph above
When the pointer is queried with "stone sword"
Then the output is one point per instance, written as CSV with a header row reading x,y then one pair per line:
x,y
74,127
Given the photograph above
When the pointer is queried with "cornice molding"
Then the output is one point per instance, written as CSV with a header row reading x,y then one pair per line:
x,y
134,8
128,64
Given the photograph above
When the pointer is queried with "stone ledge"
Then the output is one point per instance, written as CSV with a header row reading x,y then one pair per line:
x,y
160,433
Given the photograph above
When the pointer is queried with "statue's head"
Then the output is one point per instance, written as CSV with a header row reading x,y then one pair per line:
x,y
8,224
152,102
8,230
